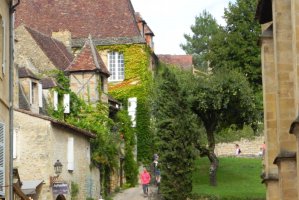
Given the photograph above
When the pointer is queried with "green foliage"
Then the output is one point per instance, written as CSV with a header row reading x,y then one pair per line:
x,y
130,165
137,83
89,198
74,190
198,44
232,46
175,132
94,118
243,175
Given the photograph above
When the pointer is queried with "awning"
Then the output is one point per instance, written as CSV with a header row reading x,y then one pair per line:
x,y
29,187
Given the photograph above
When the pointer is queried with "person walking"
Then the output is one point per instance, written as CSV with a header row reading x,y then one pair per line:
x,y
145,179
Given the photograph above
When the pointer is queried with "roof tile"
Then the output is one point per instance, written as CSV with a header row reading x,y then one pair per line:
x,y
183,61
101,18
88,60
54,49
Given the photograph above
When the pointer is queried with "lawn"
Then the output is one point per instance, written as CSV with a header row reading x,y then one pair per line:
x,y
237,178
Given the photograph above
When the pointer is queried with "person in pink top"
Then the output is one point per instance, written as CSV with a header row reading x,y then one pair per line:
x,y
145,179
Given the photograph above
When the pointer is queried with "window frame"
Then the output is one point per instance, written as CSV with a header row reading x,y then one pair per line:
x,y
3,46
116,60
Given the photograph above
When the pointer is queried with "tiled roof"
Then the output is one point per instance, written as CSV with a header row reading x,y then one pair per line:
x,y
26,73
183,61
59,123
88,60
54,49
48,83
100,18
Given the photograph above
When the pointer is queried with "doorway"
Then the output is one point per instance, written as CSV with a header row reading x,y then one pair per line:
x,y
60,197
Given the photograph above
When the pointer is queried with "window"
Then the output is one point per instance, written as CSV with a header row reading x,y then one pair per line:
x,y
2,158
116,66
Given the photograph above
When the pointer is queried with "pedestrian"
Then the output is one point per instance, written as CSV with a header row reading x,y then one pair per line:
x,y
145,179
238,150
158,179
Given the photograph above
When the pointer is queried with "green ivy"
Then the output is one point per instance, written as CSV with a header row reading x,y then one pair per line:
x,y
137,83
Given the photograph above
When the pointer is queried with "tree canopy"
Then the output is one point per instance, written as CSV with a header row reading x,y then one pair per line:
x,y
234,45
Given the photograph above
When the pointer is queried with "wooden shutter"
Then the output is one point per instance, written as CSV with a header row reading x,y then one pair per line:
x,y
40,95
70,154
30,92
66,103
2,159
14,144
55,100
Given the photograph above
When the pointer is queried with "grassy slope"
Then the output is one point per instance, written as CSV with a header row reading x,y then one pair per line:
x,y
238,178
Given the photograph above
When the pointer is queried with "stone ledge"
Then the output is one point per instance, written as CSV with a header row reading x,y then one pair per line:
x,y
284,156
269,178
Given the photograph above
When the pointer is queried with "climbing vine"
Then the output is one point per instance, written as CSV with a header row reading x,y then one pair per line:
x,y
137,83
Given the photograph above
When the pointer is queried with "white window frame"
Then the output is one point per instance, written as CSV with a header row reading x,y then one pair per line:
x,y
2,158
116,66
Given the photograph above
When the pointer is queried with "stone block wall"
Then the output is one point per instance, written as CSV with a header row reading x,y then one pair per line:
x,y
248,147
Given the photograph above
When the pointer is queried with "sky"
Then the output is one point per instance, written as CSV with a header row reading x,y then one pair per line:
x,y
171,19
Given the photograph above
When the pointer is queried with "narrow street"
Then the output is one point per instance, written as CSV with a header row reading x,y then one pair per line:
x,y
135,194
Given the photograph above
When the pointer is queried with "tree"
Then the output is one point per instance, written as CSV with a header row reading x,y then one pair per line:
x,y
234,45
175,131
237,45
220,100
198,44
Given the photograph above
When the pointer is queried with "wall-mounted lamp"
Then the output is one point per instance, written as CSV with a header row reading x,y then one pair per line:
x,y
58,170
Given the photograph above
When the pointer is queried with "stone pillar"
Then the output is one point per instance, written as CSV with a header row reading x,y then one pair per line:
x,y
270,173
285,64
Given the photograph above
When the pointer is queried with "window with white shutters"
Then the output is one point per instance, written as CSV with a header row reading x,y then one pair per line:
x,y
2,159
116,66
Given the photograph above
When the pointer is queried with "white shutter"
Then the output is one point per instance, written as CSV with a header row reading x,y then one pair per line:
x,y
3,47
30,92
40,95
14,153
132,102
2,158
70,154
55,100
66,103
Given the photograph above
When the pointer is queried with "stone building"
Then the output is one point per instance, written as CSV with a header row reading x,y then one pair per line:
x,y
280,52
47,140
4,97
182,61
40,144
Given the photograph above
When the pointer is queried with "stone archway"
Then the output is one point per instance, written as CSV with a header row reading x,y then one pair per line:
x,y
60,197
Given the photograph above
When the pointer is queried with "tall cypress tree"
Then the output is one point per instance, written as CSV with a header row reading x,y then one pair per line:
x,y
175,134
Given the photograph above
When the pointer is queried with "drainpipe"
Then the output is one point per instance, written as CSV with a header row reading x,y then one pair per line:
x,y
11,81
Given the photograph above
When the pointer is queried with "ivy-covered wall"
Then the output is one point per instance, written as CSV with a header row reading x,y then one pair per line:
x,y
137,83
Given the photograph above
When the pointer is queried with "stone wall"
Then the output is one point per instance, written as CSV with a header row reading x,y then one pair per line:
x,y
248,147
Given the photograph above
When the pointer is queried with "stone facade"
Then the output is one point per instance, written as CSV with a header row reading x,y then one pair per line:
x,y
280,49
4,94
48,141
29,54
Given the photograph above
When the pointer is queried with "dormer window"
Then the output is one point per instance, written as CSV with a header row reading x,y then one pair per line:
x,y
116,66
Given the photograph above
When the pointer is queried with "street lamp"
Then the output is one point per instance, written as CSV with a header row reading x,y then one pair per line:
x,y
58,170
